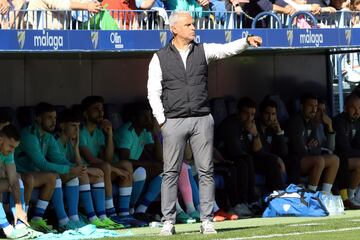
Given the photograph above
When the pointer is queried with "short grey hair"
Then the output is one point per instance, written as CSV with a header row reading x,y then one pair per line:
x,y
174,17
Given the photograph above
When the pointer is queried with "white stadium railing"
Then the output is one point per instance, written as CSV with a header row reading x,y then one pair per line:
x,y
158,19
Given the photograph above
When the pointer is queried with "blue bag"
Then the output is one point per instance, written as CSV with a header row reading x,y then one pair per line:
x,y
295,201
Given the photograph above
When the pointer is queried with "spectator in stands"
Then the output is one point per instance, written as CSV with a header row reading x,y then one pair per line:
x,y
158,16
177,92
352,5
38,155
237,138
253,8
123,11
218,7
68,142
313,6
4,7
347,127
326,5
51,14
8,18
355,6
9,140
340,4
97,149
196,9
305,156
137,142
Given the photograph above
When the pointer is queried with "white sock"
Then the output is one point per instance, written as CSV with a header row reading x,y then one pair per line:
x,y
63,222
109,203
74,218
326,187
92,218
312,188
8,230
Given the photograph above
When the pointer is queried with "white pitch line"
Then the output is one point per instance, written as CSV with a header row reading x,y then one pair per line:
x,y
293,234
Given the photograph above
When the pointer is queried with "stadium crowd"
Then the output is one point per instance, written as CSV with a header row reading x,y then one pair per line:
x,y
153,14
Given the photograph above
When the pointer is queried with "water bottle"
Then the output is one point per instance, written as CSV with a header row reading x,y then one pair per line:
x,y
339,205
333,204
155,224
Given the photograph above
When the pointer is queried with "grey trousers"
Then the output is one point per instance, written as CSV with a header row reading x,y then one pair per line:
x,y
199,131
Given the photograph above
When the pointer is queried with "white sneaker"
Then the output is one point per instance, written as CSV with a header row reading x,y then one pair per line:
x,y
207,227
167,229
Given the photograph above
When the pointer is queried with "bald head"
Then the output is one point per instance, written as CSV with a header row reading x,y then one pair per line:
x,y
352,106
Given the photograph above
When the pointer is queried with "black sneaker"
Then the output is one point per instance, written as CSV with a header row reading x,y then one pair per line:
x,y
145,217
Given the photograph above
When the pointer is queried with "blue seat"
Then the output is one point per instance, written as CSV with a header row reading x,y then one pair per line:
x,y
218,110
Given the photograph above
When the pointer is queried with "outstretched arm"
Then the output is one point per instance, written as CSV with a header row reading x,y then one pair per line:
x,y
214,51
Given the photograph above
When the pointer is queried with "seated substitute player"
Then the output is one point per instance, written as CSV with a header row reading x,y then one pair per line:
x,y
38,155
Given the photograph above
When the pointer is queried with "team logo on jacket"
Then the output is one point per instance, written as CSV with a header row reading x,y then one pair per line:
x,y
290,36
21,38
95,39
228,36
163,38
286,207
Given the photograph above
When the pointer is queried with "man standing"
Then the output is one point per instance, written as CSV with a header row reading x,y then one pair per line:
x,y
178,95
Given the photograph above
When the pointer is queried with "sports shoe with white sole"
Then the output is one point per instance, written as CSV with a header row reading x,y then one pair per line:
x,y
167,229
207,227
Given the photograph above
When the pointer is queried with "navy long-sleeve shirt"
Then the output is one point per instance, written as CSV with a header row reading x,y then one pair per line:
x,y
299,133
347,141
273,142
231,138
